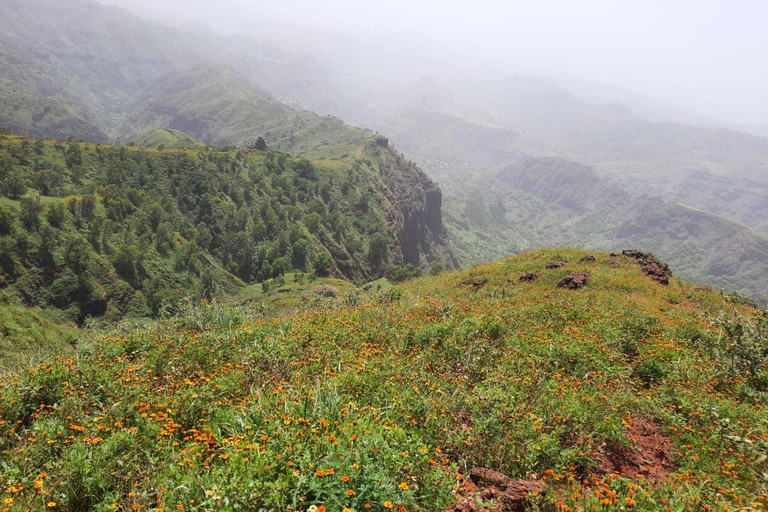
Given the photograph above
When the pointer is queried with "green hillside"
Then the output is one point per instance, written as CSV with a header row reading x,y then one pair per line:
x,y
167,139
489,388
500,200
29,337
35,99
120,231
219,106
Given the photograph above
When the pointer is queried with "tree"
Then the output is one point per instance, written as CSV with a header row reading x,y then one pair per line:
x,y
56,215
7,219
259,145
312,221
127,261
436,268
77,255
30,211
280,266
7,165
321,264
74,156
187,257
400,273
164,238
203,236
299,254
48,181
13,184
7,254
378,250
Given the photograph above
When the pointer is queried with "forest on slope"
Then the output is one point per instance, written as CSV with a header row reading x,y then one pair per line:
x,y
123,231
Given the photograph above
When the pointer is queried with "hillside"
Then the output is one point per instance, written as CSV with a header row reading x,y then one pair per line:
x,y
499,200
165,138
492,388
30,337
34,100
121,231
465,132
128,76
219,106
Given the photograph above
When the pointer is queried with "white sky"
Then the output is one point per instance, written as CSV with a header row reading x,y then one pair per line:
x,y
711,55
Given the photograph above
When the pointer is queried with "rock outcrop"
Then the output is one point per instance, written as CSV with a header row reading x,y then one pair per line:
x,y
414,210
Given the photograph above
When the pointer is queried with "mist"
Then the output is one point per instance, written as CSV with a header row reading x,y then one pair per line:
x,y
706,56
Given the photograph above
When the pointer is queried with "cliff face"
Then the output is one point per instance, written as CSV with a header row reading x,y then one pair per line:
x,y
413,210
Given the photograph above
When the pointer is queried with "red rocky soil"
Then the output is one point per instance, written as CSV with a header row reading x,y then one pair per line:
x,y
529,276
651,265
507,494
574,281
557,264
649,457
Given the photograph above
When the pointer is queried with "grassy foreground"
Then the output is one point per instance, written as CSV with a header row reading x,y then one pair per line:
x,y
386,399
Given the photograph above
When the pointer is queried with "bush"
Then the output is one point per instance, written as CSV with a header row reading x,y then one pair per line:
x,y
321,264
398,274
744,347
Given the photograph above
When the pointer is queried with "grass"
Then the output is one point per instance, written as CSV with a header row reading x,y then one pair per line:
x,y
294,291
30,336
385,399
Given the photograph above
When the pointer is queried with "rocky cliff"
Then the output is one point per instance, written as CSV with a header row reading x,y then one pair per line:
x,y
413,210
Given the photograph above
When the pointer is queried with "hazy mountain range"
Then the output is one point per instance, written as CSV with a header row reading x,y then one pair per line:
x,y
524,161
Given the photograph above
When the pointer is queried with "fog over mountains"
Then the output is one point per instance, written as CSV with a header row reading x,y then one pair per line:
x,y
535,139
704,56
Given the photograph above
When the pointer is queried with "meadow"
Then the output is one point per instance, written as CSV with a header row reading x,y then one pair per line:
x,y
386,399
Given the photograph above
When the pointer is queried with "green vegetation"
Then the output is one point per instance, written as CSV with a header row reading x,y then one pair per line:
x,y
34,99
385,399
30,336
400,273
218,106
118,231
544,202
290,293
167,139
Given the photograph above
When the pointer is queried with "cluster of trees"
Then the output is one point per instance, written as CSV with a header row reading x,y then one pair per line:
x,y
121,231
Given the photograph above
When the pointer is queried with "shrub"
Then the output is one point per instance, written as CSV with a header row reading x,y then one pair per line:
x,y
398,274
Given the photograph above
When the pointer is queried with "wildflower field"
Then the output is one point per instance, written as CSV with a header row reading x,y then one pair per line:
x,y
387,399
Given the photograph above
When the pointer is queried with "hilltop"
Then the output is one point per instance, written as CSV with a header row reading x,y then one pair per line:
x,y
165,138
495,388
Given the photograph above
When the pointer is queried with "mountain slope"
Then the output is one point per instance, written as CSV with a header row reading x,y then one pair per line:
x,y
34,100
623,394
501,200
217,105
121,231
167,139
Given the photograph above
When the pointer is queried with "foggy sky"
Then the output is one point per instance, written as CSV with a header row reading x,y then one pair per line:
x,y
710,55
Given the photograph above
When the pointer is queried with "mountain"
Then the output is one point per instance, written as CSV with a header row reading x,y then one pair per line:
x,y
219,106
465,128
110,63
169,216
119,231
497,388
33,100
